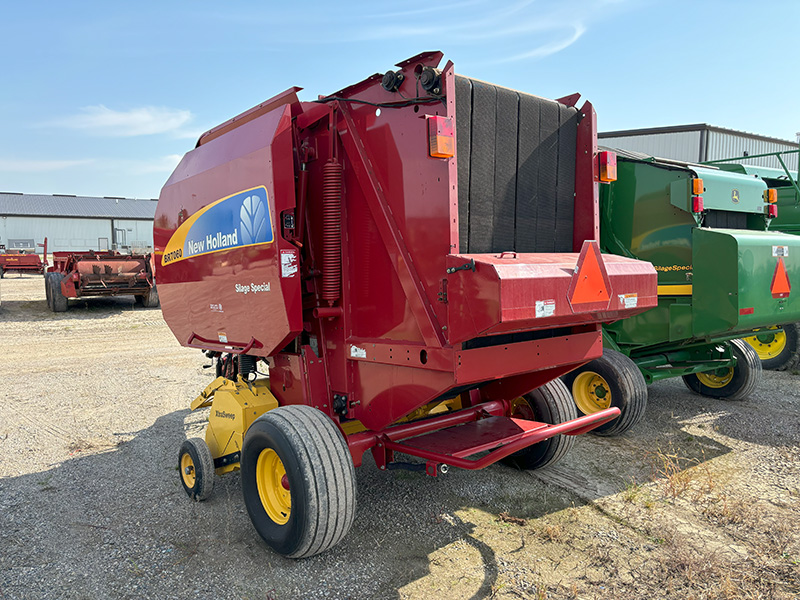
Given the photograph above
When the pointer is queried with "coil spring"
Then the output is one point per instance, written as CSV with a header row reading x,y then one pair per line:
x,y
331,231
247,365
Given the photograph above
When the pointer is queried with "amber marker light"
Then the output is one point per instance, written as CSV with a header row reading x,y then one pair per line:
x,y
440,137
608,166
697,186
771,196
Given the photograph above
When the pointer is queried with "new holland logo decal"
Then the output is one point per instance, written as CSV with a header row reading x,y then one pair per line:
x,y
236,221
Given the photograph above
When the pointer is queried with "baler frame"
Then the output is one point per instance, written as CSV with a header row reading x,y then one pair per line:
x,y
386,328
777,346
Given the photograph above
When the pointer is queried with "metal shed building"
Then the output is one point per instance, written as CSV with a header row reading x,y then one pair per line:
x,y
77,222
699,143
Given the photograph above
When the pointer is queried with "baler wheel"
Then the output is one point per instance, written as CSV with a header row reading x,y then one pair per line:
x,y
552,404
58,301
777,350
196,466
298,481
730,383
611,380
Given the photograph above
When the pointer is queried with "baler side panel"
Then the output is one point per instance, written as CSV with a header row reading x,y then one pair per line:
x,y
218,295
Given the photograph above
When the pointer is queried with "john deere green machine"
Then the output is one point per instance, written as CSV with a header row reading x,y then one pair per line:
x,y
778,347
722,274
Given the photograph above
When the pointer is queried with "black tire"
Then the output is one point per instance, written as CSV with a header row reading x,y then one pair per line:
x,y
747,375
552,404
47,291
320,476
198,483
150,299
789,355
625,383
58,301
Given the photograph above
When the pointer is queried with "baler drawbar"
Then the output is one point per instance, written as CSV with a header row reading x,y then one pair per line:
x,y
415,259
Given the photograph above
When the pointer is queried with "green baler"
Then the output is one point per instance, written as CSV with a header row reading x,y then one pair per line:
x,y
721,275
778,347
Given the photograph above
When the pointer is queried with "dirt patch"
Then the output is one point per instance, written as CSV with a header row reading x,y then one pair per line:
x,y
701,500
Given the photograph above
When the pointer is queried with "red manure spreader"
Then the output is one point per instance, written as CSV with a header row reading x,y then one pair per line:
x,y
414,261
22,261
106,273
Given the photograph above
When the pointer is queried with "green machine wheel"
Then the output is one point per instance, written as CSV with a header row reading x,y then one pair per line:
x,y
611,380
777,347
729,383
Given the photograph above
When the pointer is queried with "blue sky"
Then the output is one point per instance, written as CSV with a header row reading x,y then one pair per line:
x,y
102,98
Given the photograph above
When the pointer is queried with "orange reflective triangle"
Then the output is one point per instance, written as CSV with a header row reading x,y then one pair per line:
x,y
780,287
591,285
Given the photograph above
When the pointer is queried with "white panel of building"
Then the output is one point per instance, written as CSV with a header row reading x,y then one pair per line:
x,y
138,235
727,145
61,233
678,145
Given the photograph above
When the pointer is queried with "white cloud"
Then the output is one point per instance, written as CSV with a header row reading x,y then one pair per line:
x,y
40,166
146,120
552,48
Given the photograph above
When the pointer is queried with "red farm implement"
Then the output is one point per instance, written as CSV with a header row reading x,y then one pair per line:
x,y
23,261
415,261
92,274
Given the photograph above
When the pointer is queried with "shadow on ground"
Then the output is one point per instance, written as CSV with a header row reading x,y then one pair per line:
x,y
115,523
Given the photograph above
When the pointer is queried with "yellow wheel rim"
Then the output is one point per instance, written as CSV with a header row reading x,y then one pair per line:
x,y
521,409
591,392
768,343
714,379
270,479
187,470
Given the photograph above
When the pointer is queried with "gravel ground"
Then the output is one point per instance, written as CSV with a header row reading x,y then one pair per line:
x,y
701,500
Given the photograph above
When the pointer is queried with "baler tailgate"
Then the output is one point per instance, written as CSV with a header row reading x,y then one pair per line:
x,y
503,436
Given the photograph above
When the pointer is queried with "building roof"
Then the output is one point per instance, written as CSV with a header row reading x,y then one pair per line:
x,y
40,205
695,127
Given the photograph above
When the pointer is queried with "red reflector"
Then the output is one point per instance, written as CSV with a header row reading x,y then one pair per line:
x,y
697,204
746,311
781,287
440,137
772,211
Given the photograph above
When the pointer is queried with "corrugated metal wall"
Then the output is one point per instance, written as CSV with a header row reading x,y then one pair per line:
x,y
679,145
701,145
726,145
64,234
138,234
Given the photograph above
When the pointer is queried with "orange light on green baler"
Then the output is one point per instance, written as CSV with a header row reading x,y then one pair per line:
x,y
608,166
697,186
771,196
440,137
